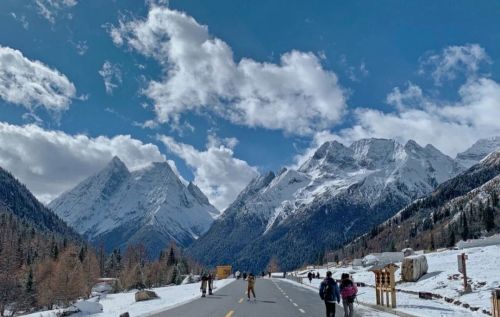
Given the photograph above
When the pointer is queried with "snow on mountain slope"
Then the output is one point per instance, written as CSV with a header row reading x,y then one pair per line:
x,y
478,151
150,205
356,186
375,165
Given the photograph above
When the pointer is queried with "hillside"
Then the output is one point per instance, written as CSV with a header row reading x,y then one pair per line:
x,y
466,206
17,200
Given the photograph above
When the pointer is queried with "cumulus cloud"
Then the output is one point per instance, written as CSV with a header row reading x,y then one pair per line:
x,y
296,95
50,162
49,9
217,172
112,76
453,60
31,83
450,126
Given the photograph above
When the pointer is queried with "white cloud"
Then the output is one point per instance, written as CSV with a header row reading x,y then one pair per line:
x,y
453,60
450,126
112,76
297,95
411,97
21,19
50,162
31,83
217,172
81,47
49,9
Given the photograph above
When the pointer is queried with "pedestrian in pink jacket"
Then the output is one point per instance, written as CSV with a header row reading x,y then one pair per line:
x,y
348,291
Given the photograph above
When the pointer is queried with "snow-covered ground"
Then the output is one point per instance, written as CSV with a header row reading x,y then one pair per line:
x,y
116,304
442,279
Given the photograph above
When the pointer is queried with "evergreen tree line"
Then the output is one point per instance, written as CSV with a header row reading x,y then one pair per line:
x,y
40,270
440,226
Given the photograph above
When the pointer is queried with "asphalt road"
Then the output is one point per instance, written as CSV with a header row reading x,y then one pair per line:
x,y
275,298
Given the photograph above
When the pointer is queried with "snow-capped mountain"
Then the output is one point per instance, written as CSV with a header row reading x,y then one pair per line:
x,y
478,151
152,206
340,192
436,220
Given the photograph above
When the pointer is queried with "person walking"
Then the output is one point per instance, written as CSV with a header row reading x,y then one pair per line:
x,y
348,291
204,284
210,283
251,286
329,293
310,276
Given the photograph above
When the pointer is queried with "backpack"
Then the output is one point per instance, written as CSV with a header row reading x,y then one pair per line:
x,y
348,292
327,291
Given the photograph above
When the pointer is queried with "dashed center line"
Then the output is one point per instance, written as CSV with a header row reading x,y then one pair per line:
x,y
230,313
289,299
241,300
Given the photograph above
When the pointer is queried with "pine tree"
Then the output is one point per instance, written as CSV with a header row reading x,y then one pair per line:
x,y
489,218
465,227
172,260
451,238
54,251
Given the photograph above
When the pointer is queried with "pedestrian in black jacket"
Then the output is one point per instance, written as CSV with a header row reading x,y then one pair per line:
x,y
329,293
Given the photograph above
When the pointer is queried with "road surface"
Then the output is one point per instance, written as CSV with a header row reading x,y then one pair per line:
x,y
275,298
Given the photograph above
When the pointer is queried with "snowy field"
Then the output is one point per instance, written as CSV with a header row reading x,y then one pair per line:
x,y
483,271
171,296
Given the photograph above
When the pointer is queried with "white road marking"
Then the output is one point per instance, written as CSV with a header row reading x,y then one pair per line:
x,y
295,304
302,311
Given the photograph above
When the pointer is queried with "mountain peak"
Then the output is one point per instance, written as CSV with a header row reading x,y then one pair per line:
x,y
479,150
328,147
115,166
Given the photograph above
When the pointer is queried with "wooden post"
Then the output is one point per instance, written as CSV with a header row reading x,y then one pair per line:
x,y
495,302
393,286
462,268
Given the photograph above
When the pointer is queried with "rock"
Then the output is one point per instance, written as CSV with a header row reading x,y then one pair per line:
x,y
408,252
413,268
125,314
465,305
425,295
474,308
145,295
88,307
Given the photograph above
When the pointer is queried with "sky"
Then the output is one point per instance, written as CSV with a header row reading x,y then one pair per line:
x,y
226,89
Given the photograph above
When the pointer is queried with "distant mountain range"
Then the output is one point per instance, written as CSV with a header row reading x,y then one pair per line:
x,y
466,206
338,194
116,208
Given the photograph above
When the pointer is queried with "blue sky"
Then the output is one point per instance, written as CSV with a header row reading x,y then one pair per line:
x,y
227,89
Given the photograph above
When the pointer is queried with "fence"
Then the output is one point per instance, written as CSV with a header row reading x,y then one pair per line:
x,y
297,279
